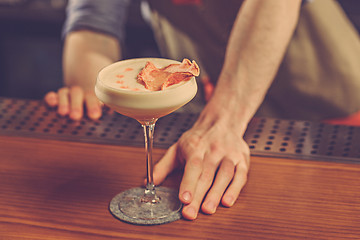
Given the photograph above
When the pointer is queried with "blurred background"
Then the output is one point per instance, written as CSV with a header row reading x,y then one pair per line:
x,y
31,44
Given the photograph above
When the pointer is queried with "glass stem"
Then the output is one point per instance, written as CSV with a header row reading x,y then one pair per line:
x,y
150,193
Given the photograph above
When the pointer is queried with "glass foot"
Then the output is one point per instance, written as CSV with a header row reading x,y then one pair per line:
x,y
129,206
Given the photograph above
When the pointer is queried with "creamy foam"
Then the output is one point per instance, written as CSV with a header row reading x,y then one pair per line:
x,y
124,76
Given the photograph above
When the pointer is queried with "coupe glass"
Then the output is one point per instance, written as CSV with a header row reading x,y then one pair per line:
x,y
143,205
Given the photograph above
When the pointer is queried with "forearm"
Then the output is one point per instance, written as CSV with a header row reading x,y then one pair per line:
x,y
257,44
85,53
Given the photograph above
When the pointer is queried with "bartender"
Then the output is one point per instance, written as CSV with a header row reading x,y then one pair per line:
x,y
284,59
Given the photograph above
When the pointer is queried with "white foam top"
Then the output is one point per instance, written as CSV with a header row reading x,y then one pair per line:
x,y
124,75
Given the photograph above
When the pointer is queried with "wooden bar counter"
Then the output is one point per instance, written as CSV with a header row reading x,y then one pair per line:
x,y
53,189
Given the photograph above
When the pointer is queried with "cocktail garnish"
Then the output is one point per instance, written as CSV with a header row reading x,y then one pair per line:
x,y
156,79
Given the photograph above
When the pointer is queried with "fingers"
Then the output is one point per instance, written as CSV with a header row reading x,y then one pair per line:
x,y
198,178
222,181
207,192
236,185
63,96
199,189
198,185
93,106
72,100
192,172
76,95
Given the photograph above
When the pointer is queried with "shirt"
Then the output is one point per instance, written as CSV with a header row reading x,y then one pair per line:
x,y
319,76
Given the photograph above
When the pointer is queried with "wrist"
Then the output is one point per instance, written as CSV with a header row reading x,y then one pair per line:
x,y
222,116
233,103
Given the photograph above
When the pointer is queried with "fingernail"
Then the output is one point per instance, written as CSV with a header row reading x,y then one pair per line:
x,y
75,114
94,114
210,207
190,213
63,110
186,196
229,200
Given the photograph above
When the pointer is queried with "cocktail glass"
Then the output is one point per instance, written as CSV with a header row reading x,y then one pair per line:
x,y
150,205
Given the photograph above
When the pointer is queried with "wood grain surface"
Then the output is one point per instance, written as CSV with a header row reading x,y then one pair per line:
x,y
61,190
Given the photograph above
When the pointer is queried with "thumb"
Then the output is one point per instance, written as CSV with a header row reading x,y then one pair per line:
x,y
165,165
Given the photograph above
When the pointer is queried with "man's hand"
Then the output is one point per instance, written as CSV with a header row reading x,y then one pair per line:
x,y
216,162
85,54
72,101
